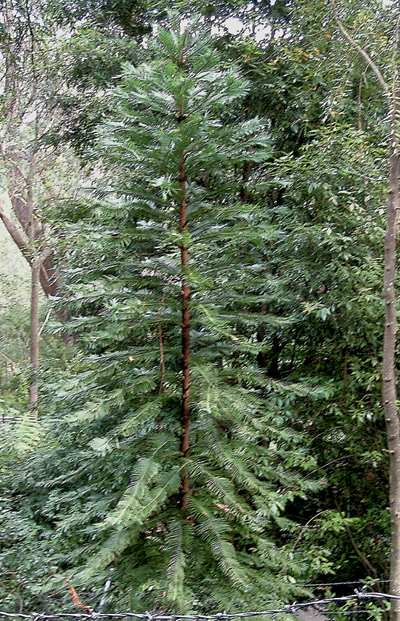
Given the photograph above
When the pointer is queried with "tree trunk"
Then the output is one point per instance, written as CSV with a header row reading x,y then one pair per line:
x,y
20,185
34,333
185,325
389,387
389,384
36,268
49,278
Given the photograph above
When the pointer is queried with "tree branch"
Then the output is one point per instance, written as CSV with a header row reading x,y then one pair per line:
x,y
363,53
16,235
356,549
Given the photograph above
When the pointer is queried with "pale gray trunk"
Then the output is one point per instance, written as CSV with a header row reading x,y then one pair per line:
x,y
389,380
389,383
34,334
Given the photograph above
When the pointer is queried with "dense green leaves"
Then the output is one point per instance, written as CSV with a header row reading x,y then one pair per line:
x,y
284,183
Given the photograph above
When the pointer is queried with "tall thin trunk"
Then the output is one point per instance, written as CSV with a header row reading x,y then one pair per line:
x,y
389,384
389,387
36,267
35,282
185,325
34,334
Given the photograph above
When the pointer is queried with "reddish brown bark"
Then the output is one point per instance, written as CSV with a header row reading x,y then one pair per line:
x,y
185,325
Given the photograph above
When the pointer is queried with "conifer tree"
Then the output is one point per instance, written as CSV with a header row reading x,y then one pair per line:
x,y
168,464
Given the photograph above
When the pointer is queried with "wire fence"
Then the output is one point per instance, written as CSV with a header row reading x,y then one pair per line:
x,y
348,583
220,616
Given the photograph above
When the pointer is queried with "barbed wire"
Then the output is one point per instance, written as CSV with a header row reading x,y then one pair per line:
x,y
330,613
219,616
348,583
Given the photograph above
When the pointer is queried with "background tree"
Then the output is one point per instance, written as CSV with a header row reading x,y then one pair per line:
x,y
389,382
329,104
26,158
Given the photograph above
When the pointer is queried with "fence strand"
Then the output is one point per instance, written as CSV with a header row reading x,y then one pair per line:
x,y
220,616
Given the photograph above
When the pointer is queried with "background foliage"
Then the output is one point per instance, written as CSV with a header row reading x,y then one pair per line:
x,y
287,189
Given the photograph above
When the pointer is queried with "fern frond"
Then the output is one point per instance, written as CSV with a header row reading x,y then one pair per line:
x,y
125,512
27,432
145,413
215,532
177,562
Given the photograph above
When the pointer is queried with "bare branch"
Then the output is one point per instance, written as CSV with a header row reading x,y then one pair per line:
x,y
16,235
362,53
45,321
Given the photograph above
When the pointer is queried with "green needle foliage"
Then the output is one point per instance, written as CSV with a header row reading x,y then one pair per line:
x,y
164,459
